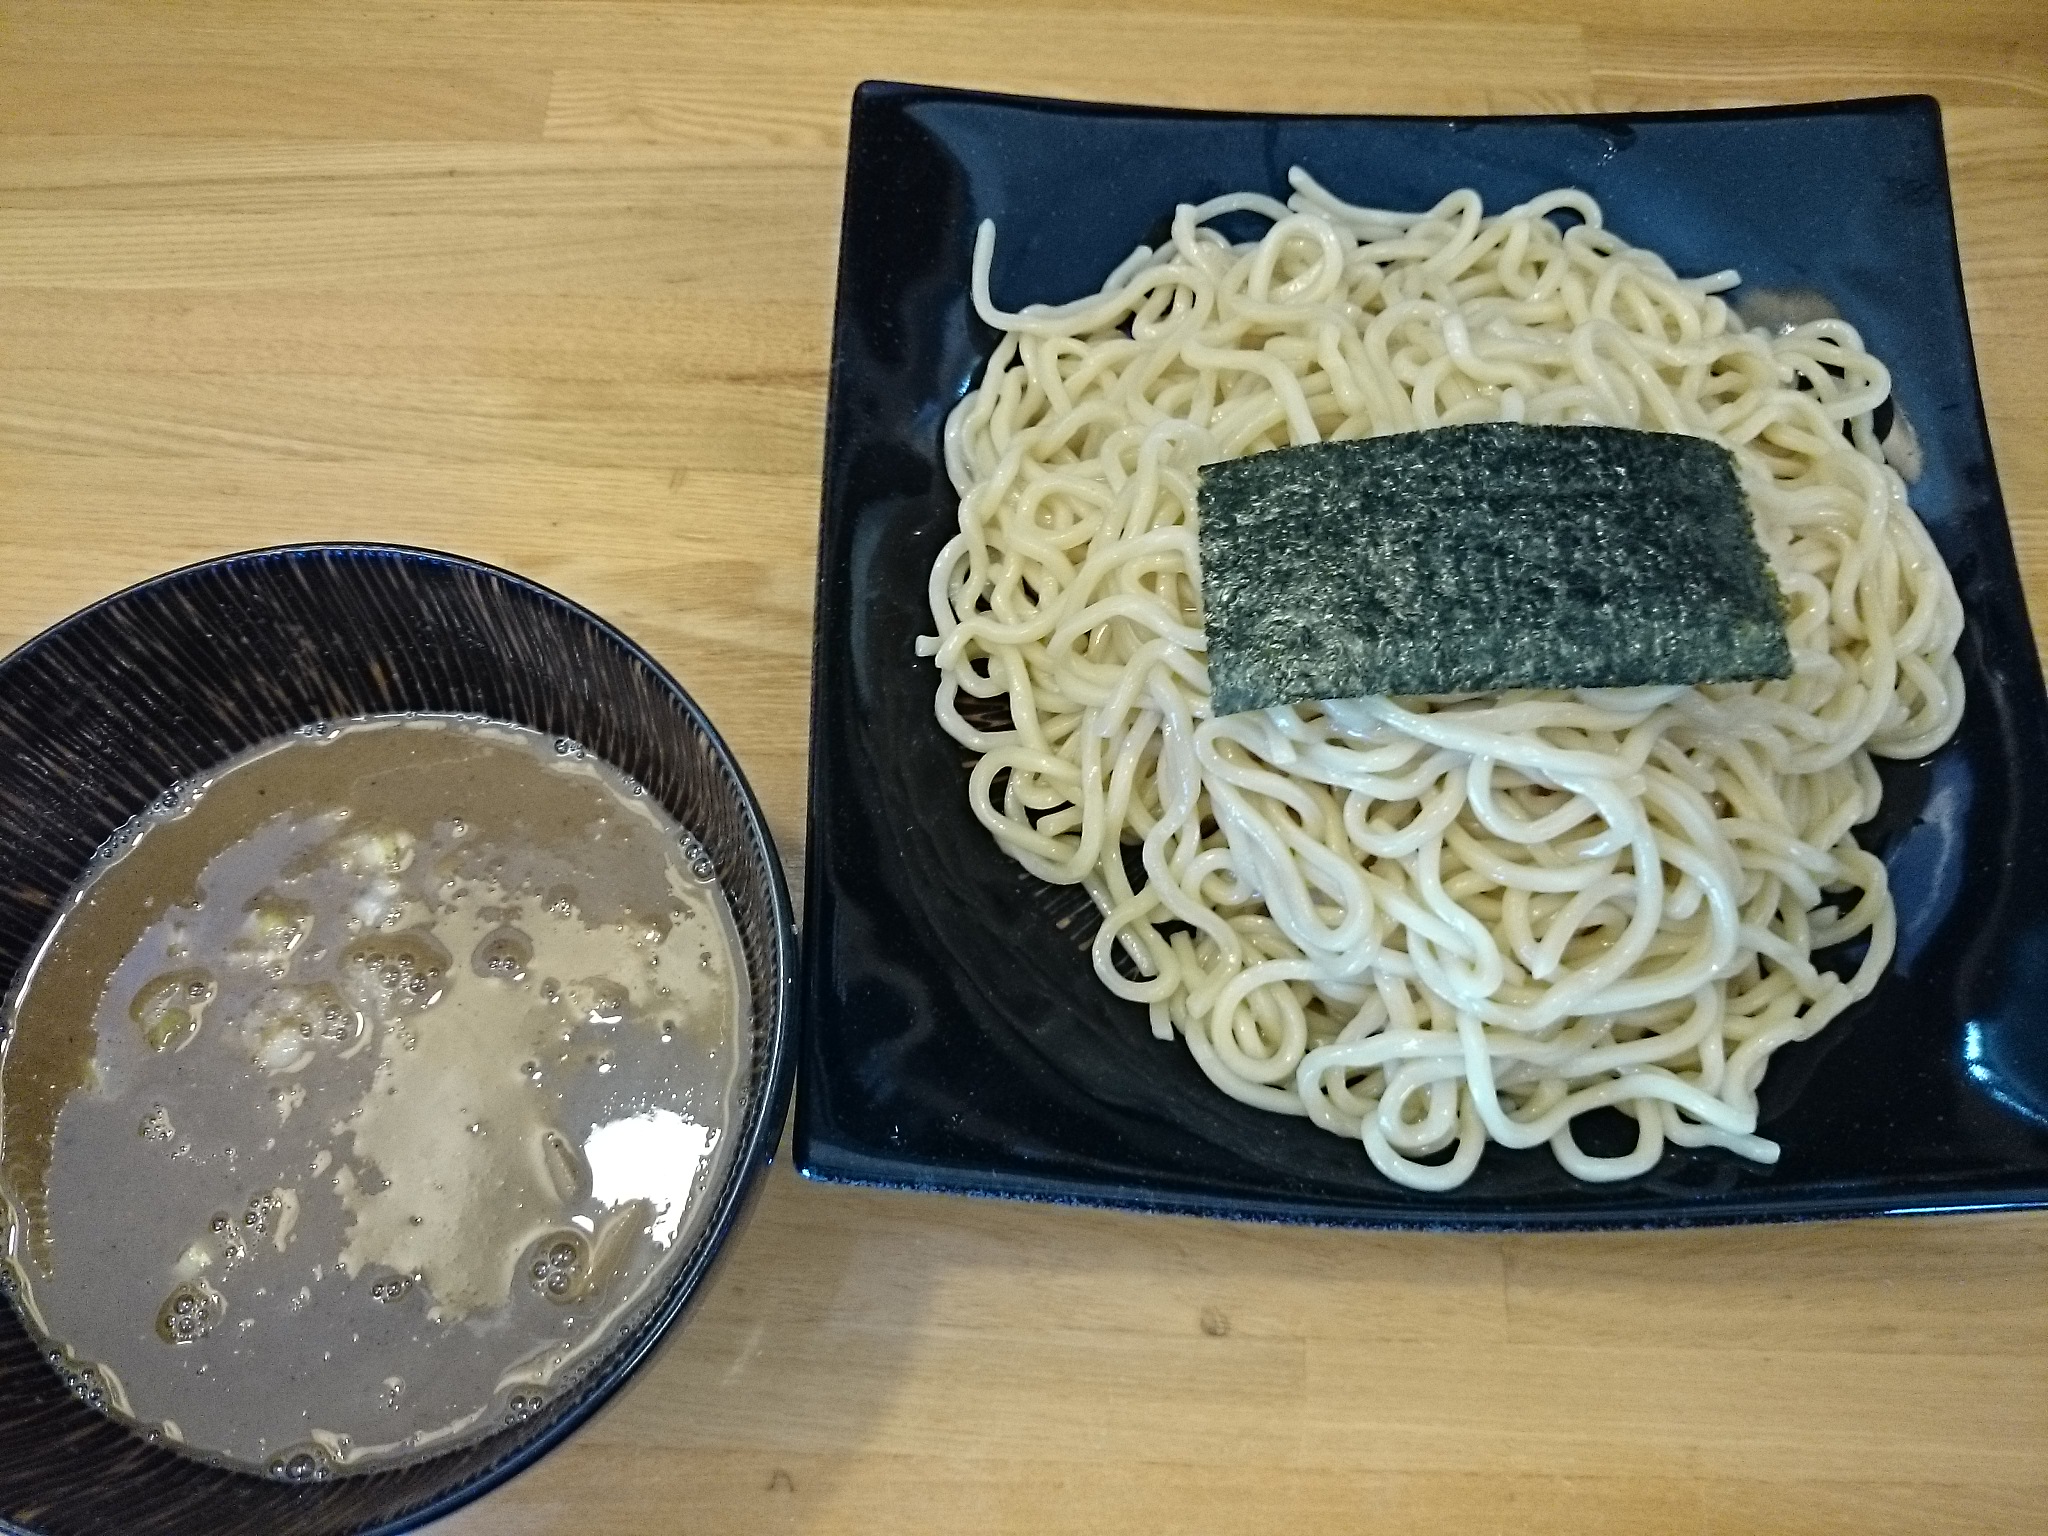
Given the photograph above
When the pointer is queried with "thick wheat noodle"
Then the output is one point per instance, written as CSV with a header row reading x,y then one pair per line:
x,y
1428,923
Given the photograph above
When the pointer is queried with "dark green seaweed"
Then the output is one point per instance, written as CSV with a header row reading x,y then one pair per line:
x,y
1467,559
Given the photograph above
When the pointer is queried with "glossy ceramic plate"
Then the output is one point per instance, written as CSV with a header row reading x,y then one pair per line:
x,y
957,1038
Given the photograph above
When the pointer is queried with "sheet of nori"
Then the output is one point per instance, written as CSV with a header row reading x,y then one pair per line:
x,y
1467,559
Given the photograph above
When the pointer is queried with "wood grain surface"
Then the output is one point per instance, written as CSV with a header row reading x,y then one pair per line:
x,y
549,282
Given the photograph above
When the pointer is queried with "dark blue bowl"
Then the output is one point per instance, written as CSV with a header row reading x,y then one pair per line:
x,y
146,688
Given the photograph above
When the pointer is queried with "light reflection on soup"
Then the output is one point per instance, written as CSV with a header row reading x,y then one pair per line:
x,y
352,1101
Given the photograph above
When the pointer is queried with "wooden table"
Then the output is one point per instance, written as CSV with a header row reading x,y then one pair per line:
x,y
549,282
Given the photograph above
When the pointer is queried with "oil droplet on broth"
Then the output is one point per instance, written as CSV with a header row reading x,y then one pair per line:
x,y
503,954
190,1313
408,977
567,1170
697,859
171,1007
305,1464
521,1406
560,1266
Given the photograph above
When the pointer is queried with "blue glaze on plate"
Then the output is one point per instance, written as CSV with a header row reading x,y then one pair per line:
x,y
957,1038
102,713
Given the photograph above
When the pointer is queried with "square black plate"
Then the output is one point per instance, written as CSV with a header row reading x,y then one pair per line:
x,y
956,1036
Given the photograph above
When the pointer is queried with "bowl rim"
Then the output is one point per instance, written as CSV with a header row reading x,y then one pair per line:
x,y
750,1164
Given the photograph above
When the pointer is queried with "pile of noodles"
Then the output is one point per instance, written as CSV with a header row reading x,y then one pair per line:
x,y
1430,923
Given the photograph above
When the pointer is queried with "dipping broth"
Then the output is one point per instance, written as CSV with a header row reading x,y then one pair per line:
x,y
362,1089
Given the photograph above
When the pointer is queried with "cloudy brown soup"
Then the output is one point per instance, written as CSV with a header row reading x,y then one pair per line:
x,y
363,1089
